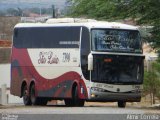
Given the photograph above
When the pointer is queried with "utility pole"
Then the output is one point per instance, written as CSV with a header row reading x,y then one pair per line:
x,y
53,12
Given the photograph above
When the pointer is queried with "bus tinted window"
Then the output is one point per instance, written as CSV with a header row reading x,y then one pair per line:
x,y
47,37
116,40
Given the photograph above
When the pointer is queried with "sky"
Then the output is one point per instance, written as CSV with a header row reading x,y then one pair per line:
x,y
31,3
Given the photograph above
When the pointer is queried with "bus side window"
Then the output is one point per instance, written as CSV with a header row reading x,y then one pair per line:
x,y
85,50
17,40
16,33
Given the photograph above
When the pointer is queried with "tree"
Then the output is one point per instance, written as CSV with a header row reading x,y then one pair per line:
x,y
20,12
68,7
143,12
13,12
2,13
152,82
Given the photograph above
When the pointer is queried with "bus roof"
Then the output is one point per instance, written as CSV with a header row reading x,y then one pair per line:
x,y
90,25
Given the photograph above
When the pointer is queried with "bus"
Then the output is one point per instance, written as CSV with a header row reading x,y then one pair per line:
x,y
76,62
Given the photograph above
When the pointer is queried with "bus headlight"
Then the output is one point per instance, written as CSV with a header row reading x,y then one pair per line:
x,y
97,89
93,95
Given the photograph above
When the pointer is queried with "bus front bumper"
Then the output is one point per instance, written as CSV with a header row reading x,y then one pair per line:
x,y
114,97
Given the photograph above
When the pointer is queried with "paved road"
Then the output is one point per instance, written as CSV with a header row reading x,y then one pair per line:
x,y
89,112
70,110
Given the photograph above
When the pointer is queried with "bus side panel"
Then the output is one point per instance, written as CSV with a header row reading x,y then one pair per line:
x,y
19,71
16,77
59,87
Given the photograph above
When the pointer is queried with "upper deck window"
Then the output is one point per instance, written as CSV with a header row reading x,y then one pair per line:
x,y
116,40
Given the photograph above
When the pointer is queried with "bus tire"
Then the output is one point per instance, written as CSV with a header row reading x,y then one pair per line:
x,y
121,104
26,96
42,101
34,99
76,101
69,102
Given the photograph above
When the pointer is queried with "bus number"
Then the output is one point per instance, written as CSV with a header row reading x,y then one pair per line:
x,y
66,57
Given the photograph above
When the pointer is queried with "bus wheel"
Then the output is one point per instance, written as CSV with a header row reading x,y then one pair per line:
x,y
69,102
42,101
26,98
121,104
76,101
34,99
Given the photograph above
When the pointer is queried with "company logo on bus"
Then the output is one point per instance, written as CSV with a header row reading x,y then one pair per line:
x,y
47,58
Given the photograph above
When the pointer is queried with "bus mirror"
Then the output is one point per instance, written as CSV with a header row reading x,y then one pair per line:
x,y
90,62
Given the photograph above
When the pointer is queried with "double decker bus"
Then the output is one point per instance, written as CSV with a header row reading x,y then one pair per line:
x,y
77,62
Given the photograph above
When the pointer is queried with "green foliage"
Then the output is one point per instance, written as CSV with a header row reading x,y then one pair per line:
x,y
99,9
152,80
145,12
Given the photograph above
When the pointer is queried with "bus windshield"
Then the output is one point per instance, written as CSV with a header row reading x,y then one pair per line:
x,y
116,40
